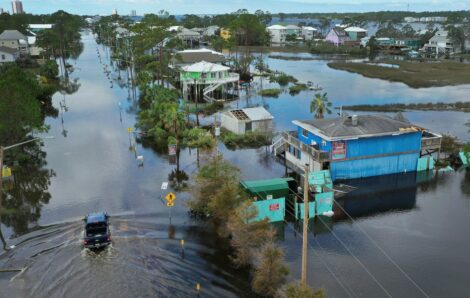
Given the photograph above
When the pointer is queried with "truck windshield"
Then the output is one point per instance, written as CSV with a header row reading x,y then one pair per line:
x,y
96,229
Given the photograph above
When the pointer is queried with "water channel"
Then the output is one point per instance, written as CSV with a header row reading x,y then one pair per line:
x,y
406,234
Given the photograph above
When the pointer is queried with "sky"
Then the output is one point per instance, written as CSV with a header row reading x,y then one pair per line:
x,y
179,7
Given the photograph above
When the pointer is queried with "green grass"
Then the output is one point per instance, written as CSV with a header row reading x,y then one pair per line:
x,y
273,92
412,73
328,48
282,79
252,139
296,89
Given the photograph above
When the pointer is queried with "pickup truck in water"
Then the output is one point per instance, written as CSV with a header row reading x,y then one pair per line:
x,y
97,234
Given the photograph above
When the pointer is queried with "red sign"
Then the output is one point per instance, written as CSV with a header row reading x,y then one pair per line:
x,y
274,207
339,150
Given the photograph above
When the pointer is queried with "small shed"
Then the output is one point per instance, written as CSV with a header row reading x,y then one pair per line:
x,y
240,121
269,197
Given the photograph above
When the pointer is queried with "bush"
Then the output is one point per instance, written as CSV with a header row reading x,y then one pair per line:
x,y
328,48
296,290
274,92
293,90
50,69
252,139
282,79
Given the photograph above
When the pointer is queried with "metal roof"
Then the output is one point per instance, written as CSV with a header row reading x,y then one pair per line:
x,y
276,27
257,113
12,35
367,126
204,66
277,187
355,29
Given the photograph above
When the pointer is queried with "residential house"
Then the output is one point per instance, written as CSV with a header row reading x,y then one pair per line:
x,y
337,36
15,40
206,80
35,28
357,146
189,37
278,33
441,43
225,33
355,33
309,33
293,29
188,57
241,121
210,31
8,54
410,42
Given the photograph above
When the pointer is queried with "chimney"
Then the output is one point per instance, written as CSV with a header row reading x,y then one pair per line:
x,y
354,120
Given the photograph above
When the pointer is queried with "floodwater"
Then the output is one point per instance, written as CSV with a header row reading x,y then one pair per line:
x,y
406,234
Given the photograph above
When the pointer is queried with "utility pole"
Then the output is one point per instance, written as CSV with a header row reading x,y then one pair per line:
x,y
305,231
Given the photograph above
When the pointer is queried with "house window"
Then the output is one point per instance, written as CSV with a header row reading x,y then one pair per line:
x,y
3,57
305,133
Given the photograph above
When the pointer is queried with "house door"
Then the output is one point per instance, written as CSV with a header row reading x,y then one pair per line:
x,y
247,126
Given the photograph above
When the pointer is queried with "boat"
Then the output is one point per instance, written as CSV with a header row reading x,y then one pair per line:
x,y
315,87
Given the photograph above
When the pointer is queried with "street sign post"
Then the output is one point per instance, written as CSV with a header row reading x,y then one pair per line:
x,y
170,198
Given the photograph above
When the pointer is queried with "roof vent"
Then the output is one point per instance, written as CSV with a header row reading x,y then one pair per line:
x,y
354,120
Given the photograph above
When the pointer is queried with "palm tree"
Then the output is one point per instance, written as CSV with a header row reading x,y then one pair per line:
x,y
320,105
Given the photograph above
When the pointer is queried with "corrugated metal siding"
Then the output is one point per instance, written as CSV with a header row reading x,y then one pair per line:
x,y
383,145
351,169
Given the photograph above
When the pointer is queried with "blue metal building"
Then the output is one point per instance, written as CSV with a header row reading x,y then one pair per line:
x,y
359,146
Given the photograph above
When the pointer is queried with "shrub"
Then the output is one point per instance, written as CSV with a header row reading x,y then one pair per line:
x,y
274,92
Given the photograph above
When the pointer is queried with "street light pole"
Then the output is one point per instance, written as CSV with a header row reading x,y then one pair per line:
x,y
2,153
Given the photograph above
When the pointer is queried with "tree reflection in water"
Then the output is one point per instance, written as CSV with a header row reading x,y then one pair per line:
x,y
27,191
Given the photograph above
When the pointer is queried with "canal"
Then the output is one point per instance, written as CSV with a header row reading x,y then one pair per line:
x,y
400,235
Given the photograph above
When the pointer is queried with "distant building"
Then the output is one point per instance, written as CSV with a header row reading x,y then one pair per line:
x,y
425,20
15,40
413,43
8,54
337,36
1,11
278,33
441,43
115,12
357,146
189,37
225,33
309,33
133,13
355,33
35,28
188,57
210,31
293,29
17,7
241,121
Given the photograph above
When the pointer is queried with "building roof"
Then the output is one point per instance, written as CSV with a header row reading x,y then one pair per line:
x,y
278,187
8,50
339,32
367,126
276,27
198,55
204,66
253,114
187,32
12,35
40,26
355,29
309,28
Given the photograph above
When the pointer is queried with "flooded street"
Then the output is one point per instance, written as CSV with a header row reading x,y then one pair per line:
x,y
407,234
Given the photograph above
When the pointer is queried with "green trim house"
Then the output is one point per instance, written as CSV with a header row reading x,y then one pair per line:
x,y
206,77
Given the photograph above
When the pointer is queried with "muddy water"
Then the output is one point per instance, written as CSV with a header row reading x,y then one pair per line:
x,y
417,222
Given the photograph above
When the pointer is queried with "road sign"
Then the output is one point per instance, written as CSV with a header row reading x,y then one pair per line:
x,y
170,197
170,204
164,185
129,129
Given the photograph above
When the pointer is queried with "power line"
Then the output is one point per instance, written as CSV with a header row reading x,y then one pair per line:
x,y
384,253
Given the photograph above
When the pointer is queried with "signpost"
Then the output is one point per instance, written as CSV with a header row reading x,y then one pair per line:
x,y
170,198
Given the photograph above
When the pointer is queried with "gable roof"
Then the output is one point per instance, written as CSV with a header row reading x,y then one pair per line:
x,y
188,32
367,126
204,66
339,32
276,27
12,35
355,29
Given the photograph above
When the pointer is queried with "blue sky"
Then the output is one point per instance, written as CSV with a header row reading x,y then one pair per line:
x,y
124,7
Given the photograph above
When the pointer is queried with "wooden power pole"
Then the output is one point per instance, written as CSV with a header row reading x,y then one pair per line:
x,y
305,231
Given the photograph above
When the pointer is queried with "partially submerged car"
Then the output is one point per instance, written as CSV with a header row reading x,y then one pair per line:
x,y
97,233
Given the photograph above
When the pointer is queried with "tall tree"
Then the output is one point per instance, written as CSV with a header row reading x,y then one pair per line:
x,y
319,106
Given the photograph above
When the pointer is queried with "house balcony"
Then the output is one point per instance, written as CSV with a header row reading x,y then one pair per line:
x,y
290,138
229,78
